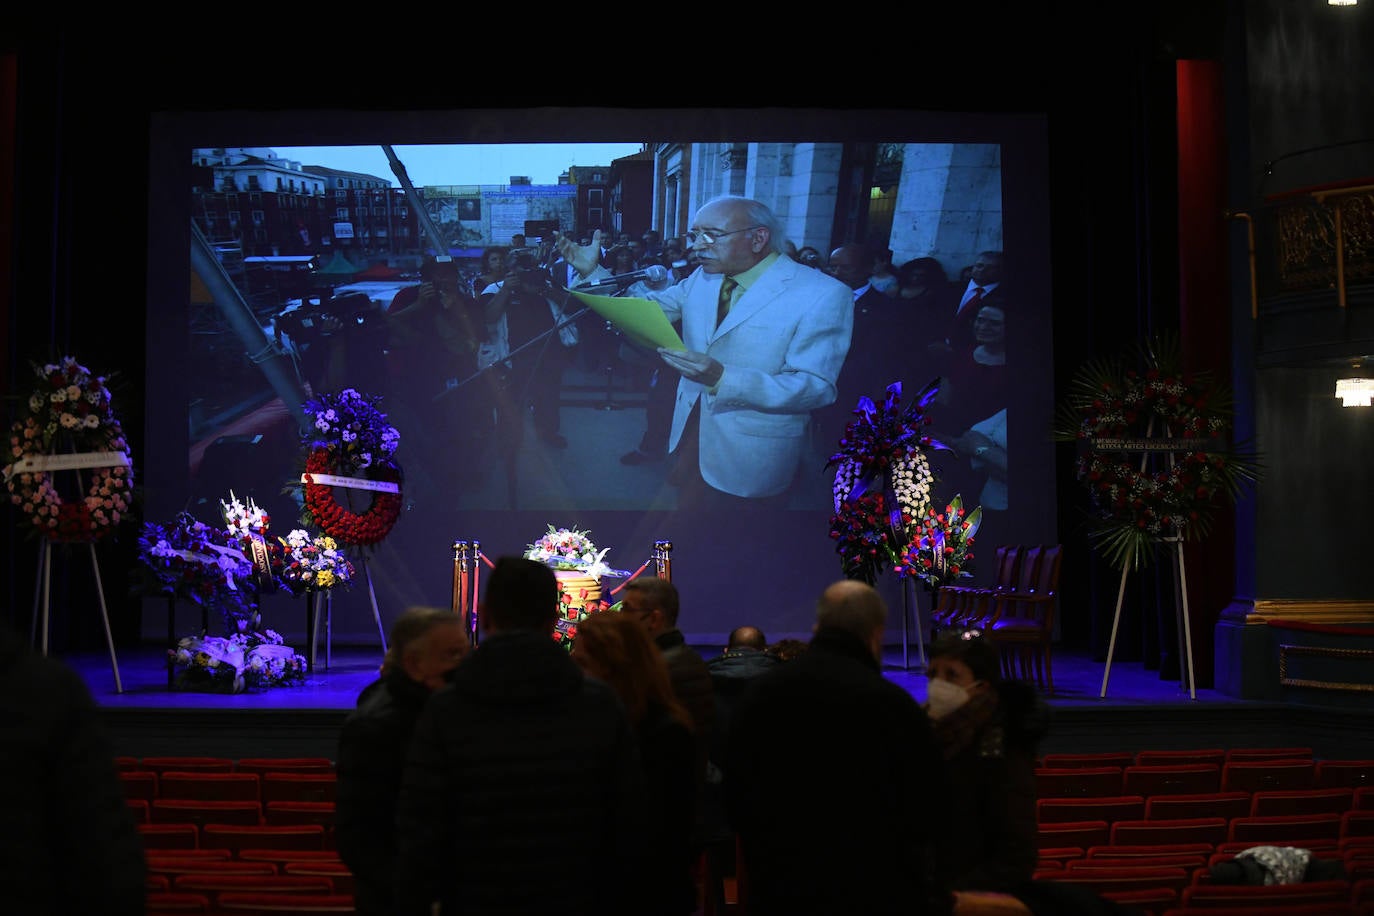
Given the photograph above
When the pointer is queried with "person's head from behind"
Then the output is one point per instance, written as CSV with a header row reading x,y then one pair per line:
x,y
746,637
963,663
856,608
850,264
784,650
652,602
427,643
615,648
986,268
521,595
730,234
990,326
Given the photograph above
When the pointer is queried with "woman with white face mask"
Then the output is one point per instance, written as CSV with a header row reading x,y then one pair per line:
x,y
989,731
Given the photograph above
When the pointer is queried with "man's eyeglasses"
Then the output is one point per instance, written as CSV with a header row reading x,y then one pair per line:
x,y
711,236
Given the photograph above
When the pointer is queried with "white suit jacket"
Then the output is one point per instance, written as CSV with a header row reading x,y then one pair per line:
x,y
782,345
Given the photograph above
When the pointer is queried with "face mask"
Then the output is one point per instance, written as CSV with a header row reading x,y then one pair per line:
x,y
944,697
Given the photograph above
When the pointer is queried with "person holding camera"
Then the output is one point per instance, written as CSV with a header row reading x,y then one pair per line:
x,y
524,322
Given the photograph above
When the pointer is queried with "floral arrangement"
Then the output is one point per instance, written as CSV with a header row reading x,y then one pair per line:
x,y
351,427
70,411
941,545
244,519
188,560
236,663
350,437
312,563
569,548
1156,461
883,481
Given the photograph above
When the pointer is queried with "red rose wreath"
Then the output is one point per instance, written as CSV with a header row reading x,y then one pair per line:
x,y
345,526
352,439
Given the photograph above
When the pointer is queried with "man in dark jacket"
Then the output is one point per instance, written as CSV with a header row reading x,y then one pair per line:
x,y
69,844
426,645
523,785
834,778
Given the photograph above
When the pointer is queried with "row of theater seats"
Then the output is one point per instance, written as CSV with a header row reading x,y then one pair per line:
x,y
1146,827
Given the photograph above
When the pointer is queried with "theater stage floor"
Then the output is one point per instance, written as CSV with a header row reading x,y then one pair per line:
x,y
1140,710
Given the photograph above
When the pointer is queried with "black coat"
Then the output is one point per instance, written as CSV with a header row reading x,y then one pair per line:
x,y
993,844
373,746
833,787
522,788
69,842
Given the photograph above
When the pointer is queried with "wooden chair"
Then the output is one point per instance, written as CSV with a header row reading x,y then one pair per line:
x,y
967,605
1022,622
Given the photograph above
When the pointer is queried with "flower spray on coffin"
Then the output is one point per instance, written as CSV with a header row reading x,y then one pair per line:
x,y
579,566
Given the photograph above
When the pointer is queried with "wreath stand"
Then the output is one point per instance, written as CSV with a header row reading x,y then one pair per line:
x,y
1180,603
1185,635
42,599
319,605
908,603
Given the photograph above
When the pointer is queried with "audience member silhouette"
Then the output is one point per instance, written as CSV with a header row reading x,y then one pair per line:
x,y
522,772
426,644
70,843
826,722
616,649
654,603
989,731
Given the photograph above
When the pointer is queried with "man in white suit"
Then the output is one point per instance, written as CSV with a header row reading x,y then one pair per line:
x,y
749,383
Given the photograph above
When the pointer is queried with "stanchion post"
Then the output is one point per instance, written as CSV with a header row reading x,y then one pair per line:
x,y
464,596
663,559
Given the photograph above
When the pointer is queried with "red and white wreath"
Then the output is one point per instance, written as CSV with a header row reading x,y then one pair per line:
x,y
69,428
351,447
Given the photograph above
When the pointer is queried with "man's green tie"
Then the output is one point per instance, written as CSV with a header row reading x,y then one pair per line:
x,y
727,289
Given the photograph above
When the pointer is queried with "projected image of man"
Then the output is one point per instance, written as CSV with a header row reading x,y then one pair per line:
x,y
765,340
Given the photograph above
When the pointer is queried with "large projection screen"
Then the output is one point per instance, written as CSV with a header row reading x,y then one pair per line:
x,y
945,185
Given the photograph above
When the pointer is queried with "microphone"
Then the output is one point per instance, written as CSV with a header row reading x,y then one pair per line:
x,y
654,274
